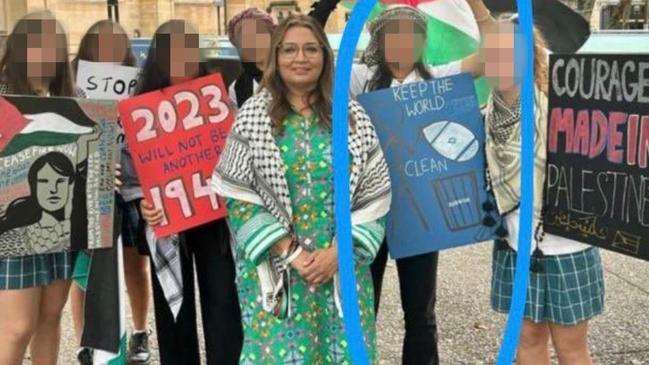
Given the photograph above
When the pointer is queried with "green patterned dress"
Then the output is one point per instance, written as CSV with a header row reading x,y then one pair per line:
x,y
314,333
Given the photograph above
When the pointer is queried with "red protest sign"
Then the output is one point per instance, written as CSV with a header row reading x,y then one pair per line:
x,y
176,136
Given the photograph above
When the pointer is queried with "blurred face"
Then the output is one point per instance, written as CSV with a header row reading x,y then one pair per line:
x,y
503,61
402,44
44,48
109,45
300,59
179,53
255,41
51,189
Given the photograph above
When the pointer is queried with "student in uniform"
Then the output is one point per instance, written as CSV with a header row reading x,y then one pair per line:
x,y
174,58
393,58
34,289
107,41
566,281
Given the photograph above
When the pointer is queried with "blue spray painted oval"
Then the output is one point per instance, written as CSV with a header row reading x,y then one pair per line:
x,y
350,308
351,312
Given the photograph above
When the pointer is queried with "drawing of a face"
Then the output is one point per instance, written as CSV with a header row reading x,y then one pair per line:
x,y
52,189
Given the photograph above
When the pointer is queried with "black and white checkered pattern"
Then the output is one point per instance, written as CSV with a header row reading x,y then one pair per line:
x,y
165,255
253,163
503,154
251,169
4,88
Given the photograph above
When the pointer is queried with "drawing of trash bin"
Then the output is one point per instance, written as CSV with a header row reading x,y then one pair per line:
x,y
458,199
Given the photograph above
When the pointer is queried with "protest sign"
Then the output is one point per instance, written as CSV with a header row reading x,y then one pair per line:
x,y
432,135
105,80
57,158
176,136
597,185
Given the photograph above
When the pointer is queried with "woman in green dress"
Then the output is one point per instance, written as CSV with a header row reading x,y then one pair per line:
x,y
276,174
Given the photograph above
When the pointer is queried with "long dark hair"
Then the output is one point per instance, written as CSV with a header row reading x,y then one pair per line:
x,y
13,65
280,107
90,41
382,78
26,211
154,76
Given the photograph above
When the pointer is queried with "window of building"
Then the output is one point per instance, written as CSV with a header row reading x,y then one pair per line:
x,y
283,9
635,17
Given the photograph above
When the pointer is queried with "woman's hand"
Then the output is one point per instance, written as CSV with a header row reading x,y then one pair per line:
x,y
150,214
118,175
322,268
282,246
301,262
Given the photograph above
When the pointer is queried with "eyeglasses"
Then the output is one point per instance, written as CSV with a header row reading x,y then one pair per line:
x,y
289,51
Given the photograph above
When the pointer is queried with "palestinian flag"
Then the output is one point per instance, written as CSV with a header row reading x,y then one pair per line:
x,y
452,31
104,328
102,357
18,131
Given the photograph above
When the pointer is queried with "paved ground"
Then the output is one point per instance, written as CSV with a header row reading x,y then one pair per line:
x,y
470,332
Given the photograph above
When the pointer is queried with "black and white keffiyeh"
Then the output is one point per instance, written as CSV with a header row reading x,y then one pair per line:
x,y
372,55
165,255
503,154
251,169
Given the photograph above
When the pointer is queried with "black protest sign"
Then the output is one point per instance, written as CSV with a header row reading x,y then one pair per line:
x,y
597,186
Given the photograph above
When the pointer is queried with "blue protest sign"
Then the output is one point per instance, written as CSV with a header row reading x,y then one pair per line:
x,y
432,135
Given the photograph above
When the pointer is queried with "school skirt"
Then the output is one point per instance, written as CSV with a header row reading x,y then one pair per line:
x,y
36,270
132,227
565,290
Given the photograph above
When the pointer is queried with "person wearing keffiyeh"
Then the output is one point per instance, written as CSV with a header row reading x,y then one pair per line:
x,y
566,280
276,175
394,57
203,251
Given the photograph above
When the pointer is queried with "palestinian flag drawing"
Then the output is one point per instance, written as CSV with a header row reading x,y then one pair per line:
x,y
45,139
19,132
452,31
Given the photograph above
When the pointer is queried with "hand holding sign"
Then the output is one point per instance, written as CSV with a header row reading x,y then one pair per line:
x,y
435,156
103,80
176,136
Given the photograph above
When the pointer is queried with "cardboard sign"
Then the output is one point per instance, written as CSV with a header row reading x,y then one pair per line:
x,y
176,136
597,186
432,135
104,80
57,161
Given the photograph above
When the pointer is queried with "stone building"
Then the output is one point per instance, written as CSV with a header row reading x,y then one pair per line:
x,y
143,16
